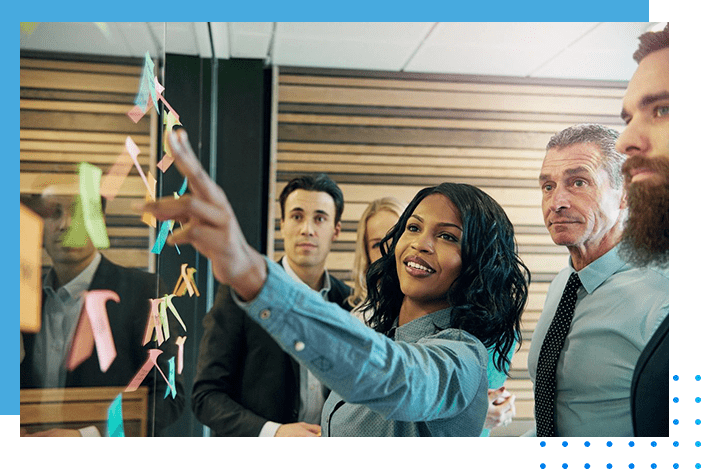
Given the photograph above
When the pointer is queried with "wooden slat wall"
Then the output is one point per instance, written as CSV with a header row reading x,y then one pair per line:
x,y
380,134
75,110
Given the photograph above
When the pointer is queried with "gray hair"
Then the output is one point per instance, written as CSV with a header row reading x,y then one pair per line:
x,y
604,137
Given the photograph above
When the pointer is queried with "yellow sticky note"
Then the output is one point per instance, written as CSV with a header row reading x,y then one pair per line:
x,y
31,227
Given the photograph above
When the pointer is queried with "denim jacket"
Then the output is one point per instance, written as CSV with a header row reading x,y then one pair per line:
x,y
430,375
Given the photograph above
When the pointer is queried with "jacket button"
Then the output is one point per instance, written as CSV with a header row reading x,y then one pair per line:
x,y
299,346
265,314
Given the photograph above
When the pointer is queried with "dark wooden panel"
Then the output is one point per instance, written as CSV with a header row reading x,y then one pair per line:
x,y
91,122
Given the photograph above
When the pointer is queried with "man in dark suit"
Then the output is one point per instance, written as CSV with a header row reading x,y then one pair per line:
x,y
646,236
76,270
245,384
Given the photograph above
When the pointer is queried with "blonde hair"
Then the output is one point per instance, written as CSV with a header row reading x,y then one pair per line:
x,y
360,265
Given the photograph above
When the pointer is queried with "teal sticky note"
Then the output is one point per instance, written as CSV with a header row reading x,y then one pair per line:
x,y
183,188
166,226
115,421
171,378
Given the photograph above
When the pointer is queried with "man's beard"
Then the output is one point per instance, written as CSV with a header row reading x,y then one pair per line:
x,y
646,234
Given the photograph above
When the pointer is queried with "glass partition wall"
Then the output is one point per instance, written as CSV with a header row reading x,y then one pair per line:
x,y
107,353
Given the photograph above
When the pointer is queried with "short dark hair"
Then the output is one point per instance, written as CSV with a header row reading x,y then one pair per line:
x,y
489,295
652,42
317,183
35,203
603,137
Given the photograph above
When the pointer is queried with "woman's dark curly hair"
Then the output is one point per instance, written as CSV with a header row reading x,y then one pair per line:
x,y
488,296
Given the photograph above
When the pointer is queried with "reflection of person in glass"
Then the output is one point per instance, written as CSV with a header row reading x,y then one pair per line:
x,y
451,268
74,271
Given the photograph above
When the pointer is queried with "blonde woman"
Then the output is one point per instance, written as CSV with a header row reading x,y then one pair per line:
x,y
375,222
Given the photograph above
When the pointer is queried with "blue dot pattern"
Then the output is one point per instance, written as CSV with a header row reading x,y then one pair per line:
x,y
544,389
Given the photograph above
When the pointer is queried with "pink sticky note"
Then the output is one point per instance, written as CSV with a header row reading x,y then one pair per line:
x,y
180,341
159,87
154,323
146,367
95,304
165,162
114,179
172,111
134,152
150,363
136,113
83,343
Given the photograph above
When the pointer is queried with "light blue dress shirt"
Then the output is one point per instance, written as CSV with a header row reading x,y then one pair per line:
x,y
60,313
618,309
440,377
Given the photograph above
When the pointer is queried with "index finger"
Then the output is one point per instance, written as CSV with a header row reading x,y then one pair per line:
x,y
201,185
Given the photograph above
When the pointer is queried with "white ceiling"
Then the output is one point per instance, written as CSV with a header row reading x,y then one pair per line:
x,y
541,50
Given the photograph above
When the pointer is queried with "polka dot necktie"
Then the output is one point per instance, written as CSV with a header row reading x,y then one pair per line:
x,y
549,355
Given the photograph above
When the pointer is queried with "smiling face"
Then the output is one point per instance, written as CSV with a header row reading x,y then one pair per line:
x,y
581,209
308,228
376,227
428,255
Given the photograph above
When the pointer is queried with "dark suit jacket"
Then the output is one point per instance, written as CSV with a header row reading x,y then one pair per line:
x,y
649,395
128,320
244,379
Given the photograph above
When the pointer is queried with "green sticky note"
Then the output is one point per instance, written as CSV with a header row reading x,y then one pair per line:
x,y
76,236
87,217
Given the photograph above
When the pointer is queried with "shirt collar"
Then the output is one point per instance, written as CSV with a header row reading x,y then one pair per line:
x,y
596,273
423,326
326,285
79,284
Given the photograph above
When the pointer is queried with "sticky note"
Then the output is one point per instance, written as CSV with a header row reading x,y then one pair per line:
x,y
180,342
171,378
115,177
115,419
153,327
147,217
168,302
88,218
163,318
83,343
165,162
141,374
166,227
31,227
183,187
186,282
96,306
77,233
